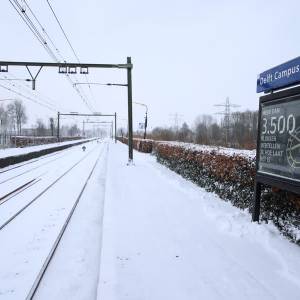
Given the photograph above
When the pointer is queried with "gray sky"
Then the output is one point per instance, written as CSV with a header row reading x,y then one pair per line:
x,y
187,55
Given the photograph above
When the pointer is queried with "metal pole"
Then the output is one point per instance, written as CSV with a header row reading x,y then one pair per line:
x,y
130,137
83,133
115,127
256,206
146,121
58,114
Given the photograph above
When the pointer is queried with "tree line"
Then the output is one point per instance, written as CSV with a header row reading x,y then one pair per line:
x,y
238,130
13,117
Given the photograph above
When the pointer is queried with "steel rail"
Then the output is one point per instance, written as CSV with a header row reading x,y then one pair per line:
x,y
19,190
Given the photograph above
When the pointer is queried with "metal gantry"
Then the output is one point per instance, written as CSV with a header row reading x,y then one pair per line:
x,y
75,114
71,68
111,123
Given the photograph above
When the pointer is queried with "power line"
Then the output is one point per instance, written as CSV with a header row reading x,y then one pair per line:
x,y
68,40
177,119
67,75
22,13
27,89
33,30
26,97
227,113
54,14
44,30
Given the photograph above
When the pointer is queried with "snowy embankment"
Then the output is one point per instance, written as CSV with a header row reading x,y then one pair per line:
x,y
167,238
34,152
6,152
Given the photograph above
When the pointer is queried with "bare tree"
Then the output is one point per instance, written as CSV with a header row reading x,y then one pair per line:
x,y
74,130
41,129
17,113
163,134
51,120
4,120
185,134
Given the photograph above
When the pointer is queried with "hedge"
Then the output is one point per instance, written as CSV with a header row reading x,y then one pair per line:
x,y
139,144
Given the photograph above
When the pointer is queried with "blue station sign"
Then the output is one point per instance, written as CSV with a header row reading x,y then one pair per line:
x,y
281,76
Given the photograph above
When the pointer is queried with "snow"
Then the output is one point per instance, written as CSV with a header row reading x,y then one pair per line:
x,y
6,152
162,237
222,150
166,238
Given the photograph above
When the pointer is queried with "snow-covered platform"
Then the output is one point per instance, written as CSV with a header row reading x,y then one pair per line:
x,y
9,152
165,238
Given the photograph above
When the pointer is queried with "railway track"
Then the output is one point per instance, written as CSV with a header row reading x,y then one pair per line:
x,y
30,183
55,245
18,190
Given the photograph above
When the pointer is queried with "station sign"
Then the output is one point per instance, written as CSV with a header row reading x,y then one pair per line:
x,y
279,140
278,144
284,75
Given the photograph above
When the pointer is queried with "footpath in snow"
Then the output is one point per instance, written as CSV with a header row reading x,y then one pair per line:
x,y
166,238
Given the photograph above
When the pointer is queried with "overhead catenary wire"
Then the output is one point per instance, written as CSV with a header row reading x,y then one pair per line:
x,y
81,94
68,41
28,98
63,31
40,97
16,5
28,89
44,30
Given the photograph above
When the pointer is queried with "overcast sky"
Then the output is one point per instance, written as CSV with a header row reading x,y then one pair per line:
x,y
187,55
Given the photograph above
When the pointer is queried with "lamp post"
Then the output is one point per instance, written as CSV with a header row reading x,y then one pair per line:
x,y
146,117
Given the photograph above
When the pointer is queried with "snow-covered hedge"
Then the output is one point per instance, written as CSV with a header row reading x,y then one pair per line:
x,y
139,144
230,174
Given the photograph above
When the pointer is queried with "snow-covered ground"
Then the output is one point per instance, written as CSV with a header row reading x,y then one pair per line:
x,y
162,237
19,151
206,148
165,238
